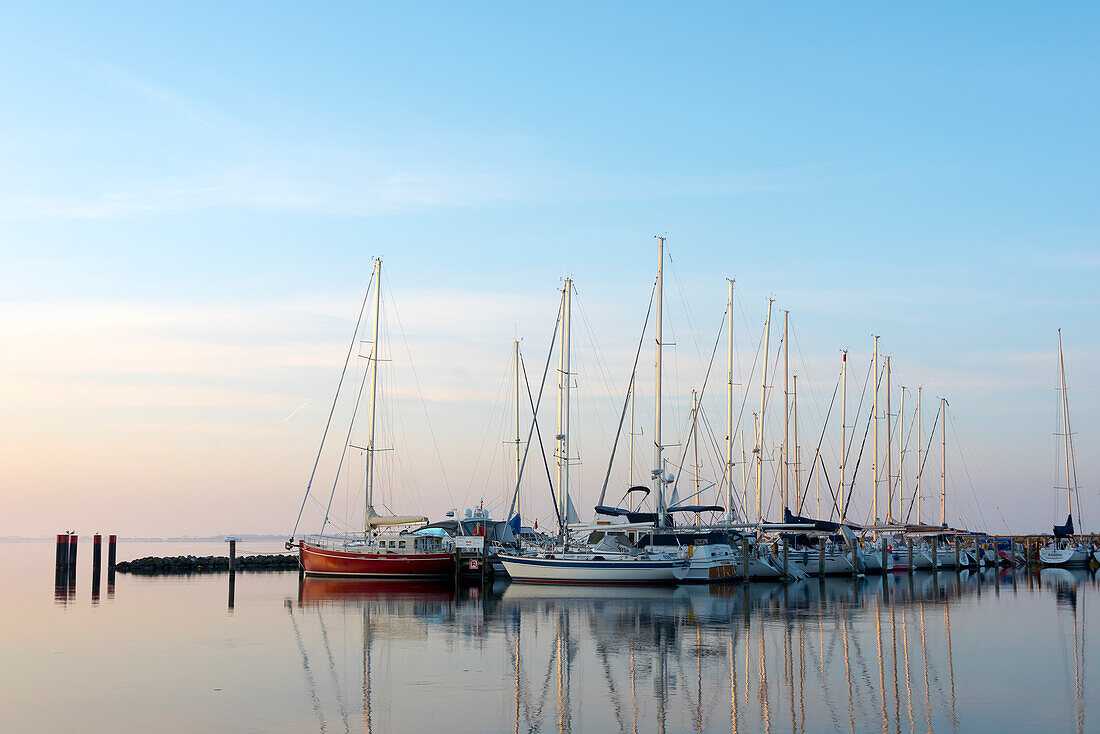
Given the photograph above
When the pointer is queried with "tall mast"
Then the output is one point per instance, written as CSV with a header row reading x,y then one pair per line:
x,y
695,444
729,402
658,458
373,390
794,422
744,479
943,460
901,456
1065,425
763,400
630,464
874,450
785,450
843,428
515,345
889,450
563,408
920,466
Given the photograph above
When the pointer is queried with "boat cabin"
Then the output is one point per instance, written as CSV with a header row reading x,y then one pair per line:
x,y
405,543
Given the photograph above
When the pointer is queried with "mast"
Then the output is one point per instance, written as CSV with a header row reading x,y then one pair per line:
x,y
785,450
515,345
658,458
874,450
563,408
920,466
373,392
763,399
729,402
794,423
889,450
630,464
1065,425
843,427
901,456
943,459
695,444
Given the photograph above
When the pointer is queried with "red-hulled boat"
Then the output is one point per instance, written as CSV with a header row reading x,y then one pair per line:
x,y
371,553
387,555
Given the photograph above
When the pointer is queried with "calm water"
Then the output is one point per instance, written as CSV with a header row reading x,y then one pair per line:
x,y
954,653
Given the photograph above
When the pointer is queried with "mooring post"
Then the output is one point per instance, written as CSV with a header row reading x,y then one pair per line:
x,y
786,561
854,550
62,561
97,561
72,559
821,557
232,555
112,541
744,559
884,559
909,548
957,554
935,556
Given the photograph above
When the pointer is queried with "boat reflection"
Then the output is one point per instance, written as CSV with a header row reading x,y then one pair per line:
x,y
817,655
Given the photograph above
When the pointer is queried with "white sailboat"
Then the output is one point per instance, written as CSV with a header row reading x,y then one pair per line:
x,y
1063,550
608,562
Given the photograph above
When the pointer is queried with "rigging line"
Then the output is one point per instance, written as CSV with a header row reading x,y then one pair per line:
x,y
535,409
859,458
966,470
817,453
347,439
920,469
485,436
695,413
846,450
542,449
423,402
629,390
332,410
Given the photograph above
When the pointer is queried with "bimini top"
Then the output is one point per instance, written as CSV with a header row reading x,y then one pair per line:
x,y
697,508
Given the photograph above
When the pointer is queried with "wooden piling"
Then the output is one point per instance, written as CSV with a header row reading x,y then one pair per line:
x,y
232,556
72,559
909,544
854,550
112,541
884,551
786,561
956,554
61,564
744,559
935,556
821,557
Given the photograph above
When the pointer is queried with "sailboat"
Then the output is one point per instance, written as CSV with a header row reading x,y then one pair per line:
x,y
612,560
379,551
1064,551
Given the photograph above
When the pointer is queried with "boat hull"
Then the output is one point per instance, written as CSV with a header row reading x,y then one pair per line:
x,y
318,561
1076,557
532,570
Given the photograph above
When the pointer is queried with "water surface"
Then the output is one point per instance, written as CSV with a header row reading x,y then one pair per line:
x,y
970,653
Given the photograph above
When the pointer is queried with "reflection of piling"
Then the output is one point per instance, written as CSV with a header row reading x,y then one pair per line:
x,y
112,540
97,560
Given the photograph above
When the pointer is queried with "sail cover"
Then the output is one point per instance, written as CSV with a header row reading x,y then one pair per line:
x,y
1064,531
374,520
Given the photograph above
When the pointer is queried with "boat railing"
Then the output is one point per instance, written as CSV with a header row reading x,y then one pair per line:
x,y
335,542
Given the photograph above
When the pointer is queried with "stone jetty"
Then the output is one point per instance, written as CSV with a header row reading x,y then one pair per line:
x,y
207,564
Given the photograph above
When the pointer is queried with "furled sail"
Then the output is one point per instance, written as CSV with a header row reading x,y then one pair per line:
x,y
374,520
1064,531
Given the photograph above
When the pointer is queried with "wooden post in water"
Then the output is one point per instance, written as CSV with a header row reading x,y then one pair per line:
x,y
909,544
821,557
112,541
956,554
786,569
72,560
854,552
935,556
232,570
97,560
744,559
61,564
884,559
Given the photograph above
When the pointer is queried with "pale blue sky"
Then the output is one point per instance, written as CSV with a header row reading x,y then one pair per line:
x,y
213,177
